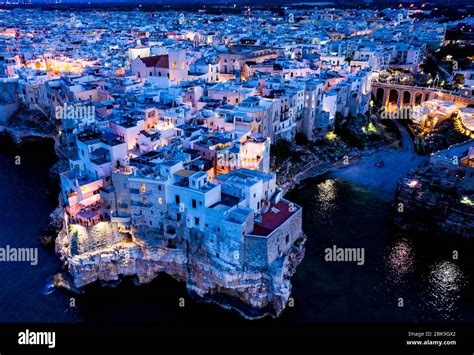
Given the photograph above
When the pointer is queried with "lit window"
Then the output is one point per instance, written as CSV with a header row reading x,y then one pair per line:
x,y
143,188
160,201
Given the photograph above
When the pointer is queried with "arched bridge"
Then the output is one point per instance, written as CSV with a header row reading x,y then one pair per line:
x,y
404,95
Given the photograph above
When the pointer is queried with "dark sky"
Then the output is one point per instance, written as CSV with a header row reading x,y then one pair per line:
x,y
157,1
257,2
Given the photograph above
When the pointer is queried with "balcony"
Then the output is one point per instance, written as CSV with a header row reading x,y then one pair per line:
x,y
88,216
141,204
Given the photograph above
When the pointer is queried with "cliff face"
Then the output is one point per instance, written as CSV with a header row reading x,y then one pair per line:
x,y
252,292
110,251
431,199
21,135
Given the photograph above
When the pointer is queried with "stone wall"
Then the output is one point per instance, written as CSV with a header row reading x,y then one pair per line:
x,y
252,292
9,91
256,251
6,111
260,251
283,238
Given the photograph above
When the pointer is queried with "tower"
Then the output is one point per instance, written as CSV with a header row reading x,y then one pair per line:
x,y
177,64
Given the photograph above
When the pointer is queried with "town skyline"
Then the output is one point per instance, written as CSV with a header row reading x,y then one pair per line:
x,y
270,167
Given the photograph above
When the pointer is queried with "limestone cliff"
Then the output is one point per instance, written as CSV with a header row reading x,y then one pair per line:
x,y
111,251
434,199
252,292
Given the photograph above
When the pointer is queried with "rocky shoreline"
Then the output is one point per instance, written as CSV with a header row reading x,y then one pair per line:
x,y
21,135
252,293
316,169
429,199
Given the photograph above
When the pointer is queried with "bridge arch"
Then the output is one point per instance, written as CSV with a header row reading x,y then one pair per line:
x,y
418,95
418,98
406,98
379,95
393,97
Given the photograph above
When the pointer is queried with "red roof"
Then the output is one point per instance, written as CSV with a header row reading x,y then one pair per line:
x,y
272,220
157,61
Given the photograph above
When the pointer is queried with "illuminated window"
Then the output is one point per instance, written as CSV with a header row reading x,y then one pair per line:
x,y
175,65
143,188
160,201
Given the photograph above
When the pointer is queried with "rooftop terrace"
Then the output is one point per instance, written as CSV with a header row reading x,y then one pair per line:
x,y
277,215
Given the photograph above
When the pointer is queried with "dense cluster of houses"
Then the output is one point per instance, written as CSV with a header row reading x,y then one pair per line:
x,y
166,119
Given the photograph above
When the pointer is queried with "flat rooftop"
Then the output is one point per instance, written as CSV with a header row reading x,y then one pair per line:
x,y
229,200
272,220
185,173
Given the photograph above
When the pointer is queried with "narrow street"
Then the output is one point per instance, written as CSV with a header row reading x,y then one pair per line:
x,y
407,142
